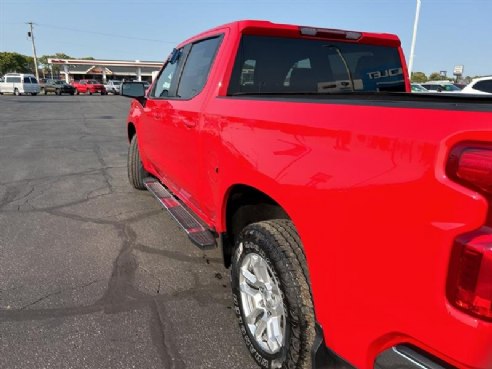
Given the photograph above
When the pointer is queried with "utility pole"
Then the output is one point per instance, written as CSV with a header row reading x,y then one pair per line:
x,y
31,34
414,39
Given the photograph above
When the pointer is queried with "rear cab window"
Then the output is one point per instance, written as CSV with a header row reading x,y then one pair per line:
x,y
266,64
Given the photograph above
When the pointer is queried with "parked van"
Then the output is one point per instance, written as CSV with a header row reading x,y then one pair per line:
x,y
19,84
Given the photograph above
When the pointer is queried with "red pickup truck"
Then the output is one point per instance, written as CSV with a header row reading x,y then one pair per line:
x,y
355,216
88,86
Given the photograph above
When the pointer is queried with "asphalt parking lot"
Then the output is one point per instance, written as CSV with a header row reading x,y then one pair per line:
x,y
93,274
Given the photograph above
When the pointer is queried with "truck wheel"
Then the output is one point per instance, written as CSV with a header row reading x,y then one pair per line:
x,y
136,171
16,92
272,295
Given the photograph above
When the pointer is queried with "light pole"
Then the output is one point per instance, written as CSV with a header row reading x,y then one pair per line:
x,y
31,34
414,39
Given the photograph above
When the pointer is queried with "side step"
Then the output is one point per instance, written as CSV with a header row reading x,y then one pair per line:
x,y
198,234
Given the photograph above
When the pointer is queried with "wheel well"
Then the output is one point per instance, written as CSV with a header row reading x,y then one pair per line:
x,y
246,205
131,131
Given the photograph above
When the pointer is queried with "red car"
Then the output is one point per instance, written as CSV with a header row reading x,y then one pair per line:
x,y
89,86
355,216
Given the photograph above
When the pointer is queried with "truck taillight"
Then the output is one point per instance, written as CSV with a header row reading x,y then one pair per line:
x,y
471,165
470,276
469,285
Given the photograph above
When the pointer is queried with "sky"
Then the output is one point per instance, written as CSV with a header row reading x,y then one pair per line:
x,y
450,33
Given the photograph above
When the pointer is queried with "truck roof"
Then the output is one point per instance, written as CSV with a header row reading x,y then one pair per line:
x,y
262,27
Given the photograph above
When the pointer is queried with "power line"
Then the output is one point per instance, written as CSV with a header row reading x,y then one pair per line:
x,y
106,34
89,47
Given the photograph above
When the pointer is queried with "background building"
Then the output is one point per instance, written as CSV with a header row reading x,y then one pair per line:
x,y
104,70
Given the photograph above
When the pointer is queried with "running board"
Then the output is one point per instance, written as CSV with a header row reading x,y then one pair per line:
x,y
198,234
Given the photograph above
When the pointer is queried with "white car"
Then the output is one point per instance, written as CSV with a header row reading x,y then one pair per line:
x,y
479,86
441,86
418,88
19,84
113,87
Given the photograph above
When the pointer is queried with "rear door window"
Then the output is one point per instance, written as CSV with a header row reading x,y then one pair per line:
x,y
450,88
197,67
266,64
27,80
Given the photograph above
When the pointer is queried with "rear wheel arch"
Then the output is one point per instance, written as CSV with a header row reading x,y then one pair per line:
x,y
245,205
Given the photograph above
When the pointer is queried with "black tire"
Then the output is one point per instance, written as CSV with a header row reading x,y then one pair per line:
x,y
278,243
136,171
34,93
72,93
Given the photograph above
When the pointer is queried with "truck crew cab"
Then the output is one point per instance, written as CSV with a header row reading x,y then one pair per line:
x,y
355,216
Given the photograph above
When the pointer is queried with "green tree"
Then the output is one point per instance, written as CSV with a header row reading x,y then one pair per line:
x,y
45,66
436,77
44,59
419,77
14,62
30,64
